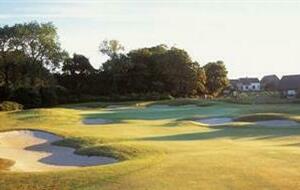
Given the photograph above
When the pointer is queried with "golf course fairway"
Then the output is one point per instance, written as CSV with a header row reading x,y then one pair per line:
x,y
161,146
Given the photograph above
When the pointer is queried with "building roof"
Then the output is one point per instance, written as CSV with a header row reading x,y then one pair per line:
x,y
270,78
290,82
247,81
233,82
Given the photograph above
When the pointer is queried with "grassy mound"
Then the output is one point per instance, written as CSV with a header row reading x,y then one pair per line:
x,y
96,147
118,151
79,142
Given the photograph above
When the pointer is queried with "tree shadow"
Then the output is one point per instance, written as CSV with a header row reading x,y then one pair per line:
x,y
154,113
292,144
257,133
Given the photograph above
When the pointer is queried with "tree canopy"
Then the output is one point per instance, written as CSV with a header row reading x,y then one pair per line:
x,y
216,74
28,52
111,48
34,66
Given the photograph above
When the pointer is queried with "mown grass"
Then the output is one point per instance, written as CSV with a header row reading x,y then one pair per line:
x,y
159,148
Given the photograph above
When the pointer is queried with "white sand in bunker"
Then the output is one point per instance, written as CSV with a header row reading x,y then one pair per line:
x,y
95,121
32,152
215,120
278,123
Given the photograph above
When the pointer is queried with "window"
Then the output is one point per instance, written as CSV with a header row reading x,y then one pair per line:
x,y
291,92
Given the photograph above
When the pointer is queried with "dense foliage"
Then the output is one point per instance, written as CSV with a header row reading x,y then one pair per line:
x,y
10,106
35,71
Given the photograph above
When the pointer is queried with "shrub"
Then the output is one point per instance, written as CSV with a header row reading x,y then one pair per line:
x,y
4,93
10,106
62,94
29,97
48,96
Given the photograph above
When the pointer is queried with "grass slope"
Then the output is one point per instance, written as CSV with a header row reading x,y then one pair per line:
x,y
160,149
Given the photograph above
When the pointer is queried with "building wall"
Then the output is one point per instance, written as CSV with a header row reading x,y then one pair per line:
x,y
250,87
291,93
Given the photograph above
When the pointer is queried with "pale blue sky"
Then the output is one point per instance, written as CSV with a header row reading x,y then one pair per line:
x,y
252,37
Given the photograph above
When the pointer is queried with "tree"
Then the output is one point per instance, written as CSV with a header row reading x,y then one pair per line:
x,y
39,42
77,72
29,52
30,44
157,69
116,72
200,80
111,48
79,64
177,71
217,80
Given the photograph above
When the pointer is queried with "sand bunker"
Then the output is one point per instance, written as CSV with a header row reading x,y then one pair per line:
x,y
95,121
32,151
215,120
278,123
267,123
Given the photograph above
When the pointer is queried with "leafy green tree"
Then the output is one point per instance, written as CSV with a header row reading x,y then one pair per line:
x,y
200,80
30,44
156,69
143,76
9,62
79,64
217,80
28,54
116,72
111,48
39,42
77,72
178,72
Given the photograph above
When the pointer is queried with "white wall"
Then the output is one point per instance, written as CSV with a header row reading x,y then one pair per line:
x,y
251,87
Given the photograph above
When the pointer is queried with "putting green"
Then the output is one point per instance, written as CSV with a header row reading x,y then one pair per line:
x,y
162,147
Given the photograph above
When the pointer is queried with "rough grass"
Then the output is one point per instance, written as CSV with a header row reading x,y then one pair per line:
x,y
119,151
5,164
160,149
97,147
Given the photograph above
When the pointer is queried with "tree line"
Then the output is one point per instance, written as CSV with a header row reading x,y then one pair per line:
x,y
35,71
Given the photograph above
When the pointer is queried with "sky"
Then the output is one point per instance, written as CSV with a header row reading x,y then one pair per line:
x,y
252,37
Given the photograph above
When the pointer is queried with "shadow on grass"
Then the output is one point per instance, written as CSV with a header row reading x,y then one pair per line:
x,y
232,133
293,144
154,113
